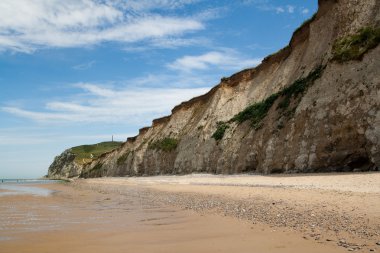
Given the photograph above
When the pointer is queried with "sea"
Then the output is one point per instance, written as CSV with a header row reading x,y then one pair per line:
x,y
25,187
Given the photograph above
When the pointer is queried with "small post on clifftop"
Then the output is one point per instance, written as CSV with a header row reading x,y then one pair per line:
x,y
112,138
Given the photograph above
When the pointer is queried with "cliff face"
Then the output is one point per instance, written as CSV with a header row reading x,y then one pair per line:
x,y
71,162
317,113
64,166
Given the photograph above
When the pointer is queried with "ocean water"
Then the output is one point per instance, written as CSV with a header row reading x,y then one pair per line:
x,y
24,187
26,181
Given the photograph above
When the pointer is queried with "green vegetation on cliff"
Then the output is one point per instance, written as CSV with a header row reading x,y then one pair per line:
x,y
289,99
354,46
123,158
291,93
256,112
86,153
221,129
96,171
166,144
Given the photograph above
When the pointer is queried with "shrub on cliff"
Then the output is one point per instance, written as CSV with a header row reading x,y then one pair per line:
x,y
298,87
167,144
354,46
256,112
220,130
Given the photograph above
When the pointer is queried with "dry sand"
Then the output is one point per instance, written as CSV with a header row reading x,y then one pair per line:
x,y
351,182
343,209
197,213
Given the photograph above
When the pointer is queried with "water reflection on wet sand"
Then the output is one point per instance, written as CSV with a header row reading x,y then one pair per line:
x,y
17,189
83,220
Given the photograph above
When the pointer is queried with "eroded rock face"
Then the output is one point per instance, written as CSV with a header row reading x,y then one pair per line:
x,y
64,166
334,125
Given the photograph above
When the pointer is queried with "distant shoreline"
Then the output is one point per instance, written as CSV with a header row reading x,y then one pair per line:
x,y
28,181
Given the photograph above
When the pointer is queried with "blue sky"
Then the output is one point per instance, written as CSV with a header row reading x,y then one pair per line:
x,y
78,71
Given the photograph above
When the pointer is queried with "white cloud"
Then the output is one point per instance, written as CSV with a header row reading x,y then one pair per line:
x,y
283,9
29,25
227,59
168,43
101,104
144,5
179,42
279,10
96,89
84,66
25,137
290,8
266,5
305,11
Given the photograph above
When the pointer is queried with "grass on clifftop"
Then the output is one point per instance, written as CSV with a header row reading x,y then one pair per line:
x,y
167,144
353,47
83,153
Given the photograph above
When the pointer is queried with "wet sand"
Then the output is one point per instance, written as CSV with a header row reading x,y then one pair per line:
x,y
101,216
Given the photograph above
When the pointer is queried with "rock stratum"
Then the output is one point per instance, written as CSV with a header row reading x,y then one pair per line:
x,y
314,106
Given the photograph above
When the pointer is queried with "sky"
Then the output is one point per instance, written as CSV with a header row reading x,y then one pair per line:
x,y
76,72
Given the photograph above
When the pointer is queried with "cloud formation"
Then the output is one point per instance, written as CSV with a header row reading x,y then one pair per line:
x,y
29,25
225,59
105,104
84,66
268,5
143,5
27,136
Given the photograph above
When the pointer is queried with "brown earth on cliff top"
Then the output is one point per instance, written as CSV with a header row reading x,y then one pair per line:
x,y
313,106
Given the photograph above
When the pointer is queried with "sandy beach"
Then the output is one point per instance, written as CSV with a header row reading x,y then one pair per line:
x,y
197,213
